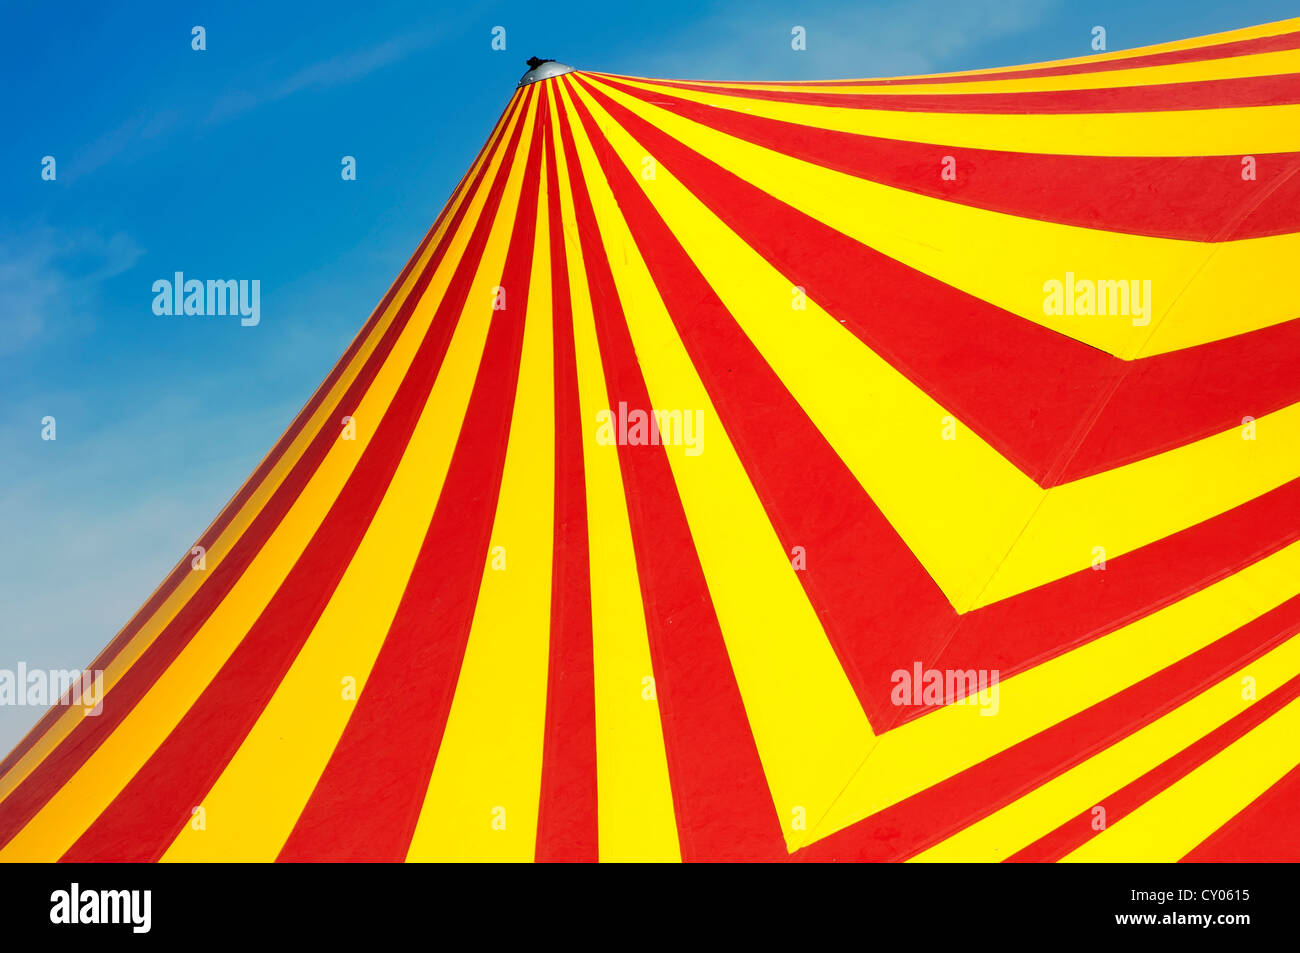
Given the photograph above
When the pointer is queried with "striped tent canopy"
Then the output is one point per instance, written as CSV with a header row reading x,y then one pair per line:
x,y
876,469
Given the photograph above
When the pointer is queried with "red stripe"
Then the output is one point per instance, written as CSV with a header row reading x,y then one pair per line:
x,y
213,532
1078,830
1264,44
367,802
1185,396
1278,90
32,793
567,828
1268,829
723,807
935,814
1043,400
1140,195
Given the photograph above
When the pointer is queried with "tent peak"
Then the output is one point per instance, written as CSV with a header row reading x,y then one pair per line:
x,y
539,69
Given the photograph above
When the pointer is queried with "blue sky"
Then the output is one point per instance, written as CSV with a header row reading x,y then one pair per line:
x,y
225,163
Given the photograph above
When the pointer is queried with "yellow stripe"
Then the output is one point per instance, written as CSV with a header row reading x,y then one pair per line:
x,y
1172,823
289,746
634,796
1254,130
925,751
325,416
72,809
1220,300
810,729
1045,808
959,504
1014,257
482,798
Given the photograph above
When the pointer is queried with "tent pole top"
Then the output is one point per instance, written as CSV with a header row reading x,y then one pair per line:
x,y
540,69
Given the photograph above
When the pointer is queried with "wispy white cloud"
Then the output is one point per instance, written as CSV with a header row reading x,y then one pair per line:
x,y
335,71
49,279
154,123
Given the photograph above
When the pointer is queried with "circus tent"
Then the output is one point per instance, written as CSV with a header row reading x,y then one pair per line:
x,y
893,469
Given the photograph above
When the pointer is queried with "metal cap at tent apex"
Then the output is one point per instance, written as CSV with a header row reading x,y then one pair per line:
x,y
540,69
